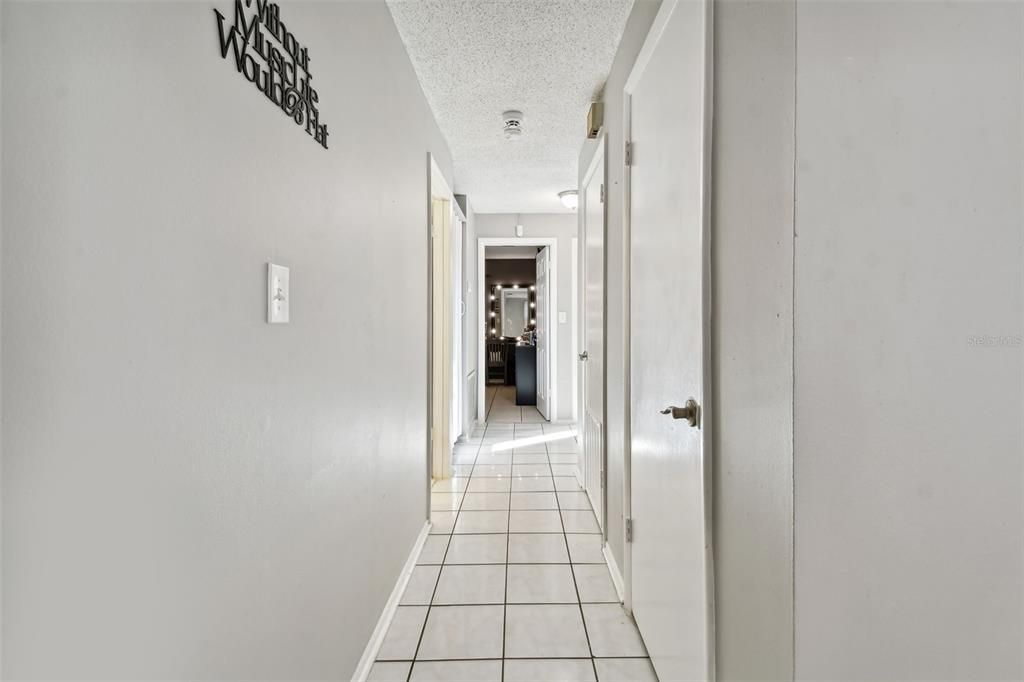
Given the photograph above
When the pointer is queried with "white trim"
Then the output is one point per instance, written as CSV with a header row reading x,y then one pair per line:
x,y
438,187
599,161
384,622
482,244
575,326
627,388
613,569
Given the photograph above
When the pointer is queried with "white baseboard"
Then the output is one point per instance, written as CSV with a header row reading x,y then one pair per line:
x,y
613,568
377,638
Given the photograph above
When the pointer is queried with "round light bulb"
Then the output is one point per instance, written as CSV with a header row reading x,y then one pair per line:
x,y
494,332
532,304
515,286
492,313
497,286
533,321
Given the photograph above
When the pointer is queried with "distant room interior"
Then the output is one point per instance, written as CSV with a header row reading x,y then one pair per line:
x,y
510,332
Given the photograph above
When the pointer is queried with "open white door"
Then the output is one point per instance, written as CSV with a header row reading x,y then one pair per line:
x,y
543,319
668,112
592,352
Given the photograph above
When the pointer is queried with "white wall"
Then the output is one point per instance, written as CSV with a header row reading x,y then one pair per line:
x,y
563,226
908,442
639,22
189,493
899,145
752,338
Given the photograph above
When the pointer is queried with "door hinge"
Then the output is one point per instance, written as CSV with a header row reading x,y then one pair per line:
x,y
629,530
602,192
629,153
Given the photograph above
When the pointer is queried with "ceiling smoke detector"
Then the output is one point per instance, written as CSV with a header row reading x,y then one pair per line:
x,y
512,121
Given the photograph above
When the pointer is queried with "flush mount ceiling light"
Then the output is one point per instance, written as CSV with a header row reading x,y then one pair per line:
x,y
569,199
512,122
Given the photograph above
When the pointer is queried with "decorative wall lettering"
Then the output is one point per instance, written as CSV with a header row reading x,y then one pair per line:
x,y
269,56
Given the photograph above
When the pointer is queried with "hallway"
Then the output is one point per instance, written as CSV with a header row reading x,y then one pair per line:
x,y
512,583
502,408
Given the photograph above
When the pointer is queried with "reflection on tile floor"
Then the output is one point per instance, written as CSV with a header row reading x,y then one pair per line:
x,y
502,408
512,584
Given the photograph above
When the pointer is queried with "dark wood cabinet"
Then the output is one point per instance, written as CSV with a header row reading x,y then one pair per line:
x,y
526,375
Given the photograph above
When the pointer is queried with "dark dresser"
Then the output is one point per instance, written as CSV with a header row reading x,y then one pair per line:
x,y
526,375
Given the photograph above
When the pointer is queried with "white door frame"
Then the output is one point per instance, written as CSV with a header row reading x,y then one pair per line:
x,y
437,187
577,417
642,60
481,264
458,323
598,162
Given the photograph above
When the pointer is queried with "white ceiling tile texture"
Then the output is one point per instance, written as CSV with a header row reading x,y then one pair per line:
x,y
478,58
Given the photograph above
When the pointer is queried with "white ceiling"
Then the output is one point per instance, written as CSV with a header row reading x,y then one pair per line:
x,y
477,58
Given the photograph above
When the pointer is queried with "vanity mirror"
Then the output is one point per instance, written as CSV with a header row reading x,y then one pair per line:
x,y
515,312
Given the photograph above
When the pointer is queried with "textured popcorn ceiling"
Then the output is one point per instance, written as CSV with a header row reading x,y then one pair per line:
x,y
478,58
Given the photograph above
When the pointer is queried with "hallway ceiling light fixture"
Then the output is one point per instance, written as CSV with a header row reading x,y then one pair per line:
x,y
569,199
512,123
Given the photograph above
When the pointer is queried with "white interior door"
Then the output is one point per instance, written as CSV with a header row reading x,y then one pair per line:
x,y
543,318
441,341
592,355
668,112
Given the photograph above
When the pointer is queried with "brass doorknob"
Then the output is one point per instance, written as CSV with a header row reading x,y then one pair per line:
x,y
691,412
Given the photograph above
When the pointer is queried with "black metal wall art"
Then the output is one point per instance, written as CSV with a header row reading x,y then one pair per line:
x,y
269,56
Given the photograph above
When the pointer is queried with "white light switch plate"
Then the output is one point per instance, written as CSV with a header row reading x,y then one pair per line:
x,y
278,296
563,317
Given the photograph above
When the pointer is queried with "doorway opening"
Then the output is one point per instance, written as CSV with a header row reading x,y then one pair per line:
x,y
517,353
511,331
444,338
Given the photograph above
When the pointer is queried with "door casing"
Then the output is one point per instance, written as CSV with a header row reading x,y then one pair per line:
x,y
482,244
597,171
439,407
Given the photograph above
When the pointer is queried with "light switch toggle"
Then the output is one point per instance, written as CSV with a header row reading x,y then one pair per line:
x,y
277,294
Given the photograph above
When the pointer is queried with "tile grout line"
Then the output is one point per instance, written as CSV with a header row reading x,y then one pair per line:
x,y
508,538
433,593
572,571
